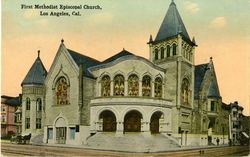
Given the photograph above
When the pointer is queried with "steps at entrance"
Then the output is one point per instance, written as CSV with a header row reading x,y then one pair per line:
x,y
134,142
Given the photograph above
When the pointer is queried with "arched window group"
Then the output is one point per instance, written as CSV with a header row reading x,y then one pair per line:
x,y
133,87
185,92
187,51
62,91
170,51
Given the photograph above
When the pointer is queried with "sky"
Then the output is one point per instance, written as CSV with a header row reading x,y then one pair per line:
x,y
220,27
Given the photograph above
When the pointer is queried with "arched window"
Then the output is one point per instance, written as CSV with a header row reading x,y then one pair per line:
x,y
39,104
185,92
146,86
162,52
62,91
133,85
119,85
174,49
168,51
105,86
158,87
156,54
27,103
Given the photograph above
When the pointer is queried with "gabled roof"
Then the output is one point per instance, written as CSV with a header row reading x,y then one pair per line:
x,y
118,55
172,25
213,90
200,71
87,62
122,56
36,74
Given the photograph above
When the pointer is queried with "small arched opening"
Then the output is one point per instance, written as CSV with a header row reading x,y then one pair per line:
x,y
108,121
155,122
132,121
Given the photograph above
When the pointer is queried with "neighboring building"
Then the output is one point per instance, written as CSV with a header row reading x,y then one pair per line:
x,y
239,124
165,96
8,109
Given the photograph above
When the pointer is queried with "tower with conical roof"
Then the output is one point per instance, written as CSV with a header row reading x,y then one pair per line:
x,y
33,98
173,50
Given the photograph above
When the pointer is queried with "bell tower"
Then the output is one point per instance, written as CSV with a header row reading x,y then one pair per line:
x,y
173,50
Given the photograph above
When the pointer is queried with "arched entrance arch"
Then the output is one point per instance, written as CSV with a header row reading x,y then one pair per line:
x,y
155,122
108,120
61,130
132,121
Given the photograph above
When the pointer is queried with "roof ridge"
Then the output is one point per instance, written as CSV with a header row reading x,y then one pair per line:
x,y
83,55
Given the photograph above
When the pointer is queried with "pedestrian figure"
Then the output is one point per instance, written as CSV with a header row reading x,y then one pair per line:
x,y
218,141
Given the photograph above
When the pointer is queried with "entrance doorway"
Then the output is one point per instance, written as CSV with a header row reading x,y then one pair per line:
x,y
61,135
155,122
108,121
132,121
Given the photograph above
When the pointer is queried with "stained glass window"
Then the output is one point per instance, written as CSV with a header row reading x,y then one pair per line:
x,y
119,85
133,85
146,86
62,91
158,87
105,85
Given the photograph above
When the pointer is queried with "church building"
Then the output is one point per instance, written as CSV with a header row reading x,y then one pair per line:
x,y
165,100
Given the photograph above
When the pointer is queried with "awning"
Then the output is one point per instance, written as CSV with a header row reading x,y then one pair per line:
x,y
245,134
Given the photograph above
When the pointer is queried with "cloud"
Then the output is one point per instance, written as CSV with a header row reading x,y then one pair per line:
x,y
29,14
192,7
218,22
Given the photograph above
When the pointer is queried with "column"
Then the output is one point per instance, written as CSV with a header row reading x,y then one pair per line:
x,y
140,87
163,90
54,134
111,88
153,89
99,89
119,129
145,128
45,137
126,88
179,46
